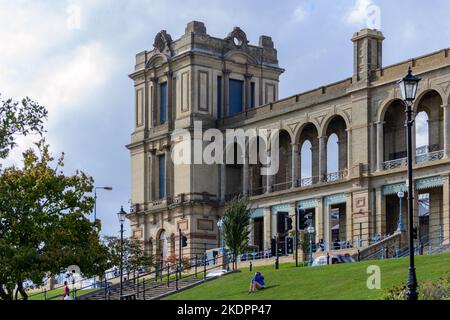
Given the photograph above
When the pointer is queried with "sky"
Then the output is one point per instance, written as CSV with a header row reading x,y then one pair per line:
x,y
74,57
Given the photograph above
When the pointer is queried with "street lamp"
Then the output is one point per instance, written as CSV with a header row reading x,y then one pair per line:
x,y
220,226
95,199
121,215
95,215
408,87
310,230
400,196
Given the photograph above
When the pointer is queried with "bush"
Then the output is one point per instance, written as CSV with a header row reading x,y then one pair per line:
x,y
394,293
438,290
429,290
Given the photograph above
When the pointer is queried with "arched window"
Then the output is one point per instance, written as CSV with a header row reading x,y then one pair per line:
x,y
306,160
332,154
422,132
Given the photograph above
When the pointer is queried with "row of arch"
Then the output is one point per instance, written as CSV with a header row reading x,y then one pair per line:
x,y
314,152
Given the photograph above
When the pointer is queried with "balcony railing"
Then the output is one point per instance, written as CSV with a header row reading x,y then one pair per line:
x,y
282,186
392,164
431,156
336,176
306,182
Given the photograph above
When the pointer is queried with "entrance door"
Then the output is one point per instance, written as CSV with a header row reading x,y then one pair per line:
x,y
258,233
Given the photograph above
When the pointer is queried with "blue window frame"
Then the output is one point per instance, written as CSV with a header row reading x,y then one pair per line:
x,y
163,102
162,176
235,96
219,97
252,95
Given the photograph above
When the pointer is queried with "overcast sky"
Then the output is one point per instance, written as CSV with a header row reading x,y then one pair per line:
x,y
79,68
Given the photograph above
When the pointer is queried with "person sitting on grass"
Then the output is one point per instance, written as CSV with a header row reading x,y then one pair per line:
x,y
257,283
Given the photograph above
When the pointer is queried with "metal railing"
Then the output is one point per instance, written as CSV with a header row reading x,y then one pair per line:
x,y
306,182
430,156
336,176
393,164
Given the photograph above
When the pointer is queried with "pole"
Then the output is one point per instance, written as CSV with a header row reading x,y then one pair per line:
x,y
179,251
121,260
95,219
296,238
310,250
412,280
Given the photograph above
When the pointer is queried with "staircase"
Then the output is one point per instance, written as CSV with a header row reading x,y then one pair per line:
x,y
148,290
156,284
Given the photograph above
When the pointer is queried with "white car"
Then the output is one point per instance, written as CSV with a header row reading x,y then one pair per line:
x,y
216,273
322,260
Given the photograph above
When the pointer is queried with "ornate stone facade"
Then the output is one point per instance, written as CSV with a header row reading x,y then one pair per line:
x,y
364,113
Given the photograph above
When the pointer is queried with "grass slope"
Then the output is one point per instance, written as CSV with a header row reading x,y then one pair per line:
x,y
334,282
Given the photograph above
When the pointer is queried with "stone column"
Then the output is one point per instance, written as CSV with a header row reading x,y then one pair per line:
x,y
446,207
414,147
267,228
349,152
170,91
446,130
169,173
154,111
381,212
319,221
322,157
269,178
223,181
247,83
245,174
226,88
380,146
151,175
295,166
349,217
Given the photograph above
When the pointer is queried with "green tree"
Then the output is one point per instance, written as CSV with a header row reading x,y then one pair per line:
x,y
44,225
24,118
236,226
134,254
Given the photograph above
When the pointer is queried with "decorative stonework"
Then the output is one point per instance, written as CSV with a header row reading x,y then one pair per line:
x,y
162,42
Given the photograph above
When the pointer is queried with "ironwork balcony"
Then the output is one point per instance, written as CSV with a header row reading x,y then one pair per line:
x,y
393,164
282,186
336,176
306,182
430,156
257,191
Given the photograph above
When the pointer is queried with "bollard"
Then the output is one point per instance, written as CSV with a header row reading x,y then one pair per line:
x,y
276,263
359,255
251,265
143,289
168,275
45,294
328,258
196,262
176,280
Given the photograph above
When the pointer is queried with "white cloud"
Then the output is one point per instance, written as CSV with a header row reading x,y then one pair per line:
x,y
299,14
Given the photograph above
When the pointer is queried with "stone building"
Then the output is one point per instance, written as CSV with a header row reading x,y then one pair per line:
x,y
229,83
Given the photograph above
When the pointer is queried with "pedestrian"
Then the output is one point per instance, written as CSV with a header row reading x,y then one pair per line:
x,y
66,292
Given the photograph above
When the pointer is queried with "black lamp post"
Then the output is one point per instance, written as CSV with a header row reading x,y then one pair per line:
x,y
408,87
121,215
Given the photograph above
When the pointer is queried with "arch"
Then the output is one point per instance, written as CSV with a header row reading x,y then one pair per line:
x,y
156,60
430,102
331,118
420,96
385,106
283,178
298,131
333,163
239,52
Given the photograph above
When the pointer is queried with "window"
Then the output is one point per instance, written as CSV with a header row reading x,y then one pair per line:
x,y
252,95
163,102
235,96
219,97
162,176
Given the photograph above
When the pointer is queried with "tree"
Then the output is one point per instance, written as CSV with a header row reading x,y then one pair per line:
x,y
17,118
236,226
134,255
44,225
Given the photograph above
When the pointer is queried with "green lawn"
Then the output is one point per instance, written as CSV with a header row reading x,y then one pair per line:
x,y
56,294
336,282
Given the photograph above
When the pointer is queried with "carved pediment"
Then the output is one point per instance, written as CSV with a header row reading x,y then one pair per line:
x,y
163,42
